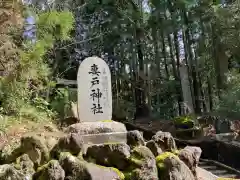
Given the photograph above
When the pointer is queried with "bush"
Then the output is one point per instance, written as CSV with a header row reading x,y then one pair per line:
x,y
185,122
61,103
229,103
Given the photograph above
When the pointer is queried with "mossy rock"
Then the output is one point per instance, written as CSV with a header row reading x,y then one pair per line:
x,y
117,171
51,170
170,167
107,121
160,159
176,151
184,122
140,155
142,165
24,164
71,142
9,172
76,169
112,155
32,145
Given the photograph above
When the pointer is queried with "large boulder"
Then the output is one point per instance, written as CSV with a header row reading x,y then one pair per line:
x,y
9,172
25,165
135,138
76,169
165,141
115,155
170,167
143,164
190,155
32,145
51,171
72,143
36,149
152,145
96,127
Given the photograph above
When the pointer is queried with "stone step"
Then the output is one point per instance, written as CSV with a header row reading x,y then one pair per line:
x,y
217,170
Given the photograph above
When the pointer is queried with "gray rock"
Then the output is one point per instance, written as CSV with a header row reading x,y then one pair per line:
x,y
96,127
135,138
32,145
144,164
76,169
190,155
25,164
8,172
156,150
115,155
175,169
51,171
165,141
72,143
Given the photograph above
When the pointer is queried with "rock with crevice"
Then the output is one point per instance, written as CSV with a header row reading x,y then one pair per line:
x,y
152,145
115,155
170,167
51,171
71,142
25,164
32,145
143,164
190,155
165,141
76,169
9,172
135,138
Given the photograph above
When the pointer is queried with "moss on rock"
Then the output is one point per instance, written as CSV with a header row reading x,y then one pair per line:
x,y
160,159
24,164
80,170
184,122
51,170
107,121
142,165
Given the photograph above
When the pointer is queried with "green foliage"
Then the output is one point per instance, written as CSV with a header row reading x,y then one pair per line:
x,y
187,121
229,104
22,90
122,108
160,158
61,103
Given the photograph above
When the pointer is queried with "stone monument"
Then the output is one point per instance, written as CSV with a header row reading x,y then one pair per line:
x,y
95,105
94,90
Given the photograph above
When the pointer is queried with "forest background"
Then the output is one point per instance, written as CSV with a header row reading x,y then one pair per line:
x,y
146,43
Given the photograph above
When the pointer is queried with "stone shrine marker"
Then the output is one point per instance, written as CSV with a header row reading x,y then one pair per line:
x,y
94,90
